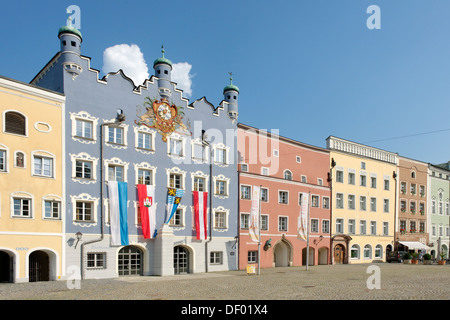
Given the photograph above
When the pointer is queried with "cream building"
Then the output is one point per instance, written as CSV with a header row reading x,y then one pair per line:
x,y
31,183
363,201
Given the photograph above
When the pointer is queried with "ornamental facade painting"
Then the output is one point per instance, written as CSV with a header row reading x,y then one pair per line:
x,y
163,116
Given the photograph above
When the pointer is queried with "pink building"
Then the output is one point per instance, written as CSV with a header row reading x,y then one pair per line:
x,y
286,170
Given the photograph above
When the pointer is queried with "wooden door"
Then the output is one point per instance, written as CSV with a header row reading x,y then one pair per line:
x,y
339,254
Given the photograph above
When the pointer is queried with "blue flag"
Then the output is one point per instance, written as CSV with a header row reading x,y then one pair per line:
x,y
173,200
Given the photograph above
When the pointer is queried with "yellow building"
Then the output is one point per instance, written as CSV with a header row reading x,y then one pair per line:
x,y
363,201
31,183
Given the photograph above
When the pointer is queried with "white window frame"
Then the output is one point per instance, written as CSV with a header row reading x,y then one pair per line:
x,y
43,154
249,192
84,197
52,199
144,166
146,131
177,171
84,116
280,224
182,144
116,162
224,179
83,156
200,175
281,197
21,195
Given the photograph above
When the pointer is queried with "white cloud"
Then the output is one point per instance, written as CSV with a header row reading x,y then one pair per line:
x,y
181,75
129,58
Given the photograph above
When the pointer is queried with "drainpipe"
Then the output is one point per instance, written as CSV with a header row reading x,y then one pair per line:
x,y
210,199
101,206
333,164
394,175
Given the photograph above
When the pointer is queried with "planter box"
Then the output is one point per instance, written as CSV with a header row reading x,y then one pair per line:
x,y
441,262
428,262
414,261
408,261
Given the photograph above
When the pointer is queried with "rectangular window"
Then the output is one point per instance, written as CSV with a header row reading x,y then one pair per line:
x,y
175,181
245,217
386,184
220,220
244,167
422,191
351,226
362,180
177,219
386,205
2,160
373,182
339,176
339,225
339,201
115,173
145,141
115,135
315,201
176,147
351,178
264,222
282,224
362,203
52,209
221,187
413,188
373,204
83,169
351,201
385,228
325,226
402,206
252,257
83,211
264,194
43,166
246,192
326,203
216,257
373,228
403,187
362,227
221,156
283,197
96,260
145,176
22,207
83,129
314,225
199,184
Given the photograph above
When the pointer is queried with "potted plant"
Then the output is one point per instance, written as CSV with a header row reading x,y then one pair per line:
x,y
442,261
427,258
415,257
407,258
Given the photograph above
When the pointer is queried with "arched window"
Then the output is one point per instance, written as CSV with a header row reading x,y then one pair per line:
x,y
379,251
367,251
15,123
287,175
354,251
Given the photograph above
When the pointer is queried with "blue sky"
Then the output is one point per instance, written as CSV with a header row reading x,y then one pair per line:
x,y
308,68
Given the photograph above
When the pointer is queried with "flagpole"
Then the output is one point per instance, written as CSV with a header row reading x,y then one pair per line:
x,y
259,232
307,232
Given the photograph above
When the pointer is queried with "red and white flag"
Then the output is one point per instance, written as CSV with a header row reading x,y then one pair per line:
x,y
146,195
200,209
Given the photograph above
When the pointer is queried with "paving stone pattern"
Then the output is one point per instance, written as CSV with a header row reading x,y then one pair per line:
x,y
338,282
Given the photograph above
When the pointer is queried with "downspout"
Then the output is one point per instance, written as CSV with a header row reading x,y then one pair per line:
x,y
101,206
394,175
333,164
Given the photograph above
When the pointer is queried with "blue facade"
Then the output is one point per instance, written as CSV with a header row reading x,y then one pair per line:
x,y
109,136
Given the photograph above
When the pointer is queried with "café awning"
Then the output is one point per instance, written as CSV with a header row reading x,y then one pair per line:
x,y
414,245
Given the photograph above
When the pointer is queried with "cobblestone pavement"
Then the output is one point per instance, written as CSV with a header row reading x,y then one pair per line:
x,y
338,282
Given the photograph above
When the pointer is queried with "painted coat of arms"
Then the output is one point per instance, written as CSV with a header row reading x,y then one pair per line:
x,y
163,116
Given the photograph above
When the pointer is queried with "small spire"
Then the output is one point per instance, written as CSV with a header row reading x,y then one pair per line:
x,y
69,22
231,77
162,50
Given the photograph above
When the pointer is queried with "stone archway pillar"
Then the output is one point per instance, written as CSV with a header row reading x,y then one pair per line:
x,y
163,257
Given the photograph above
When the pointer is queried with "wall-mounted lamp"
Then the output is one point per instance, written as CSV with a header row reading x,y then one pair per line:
x,y
120,115
267,245
79,235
